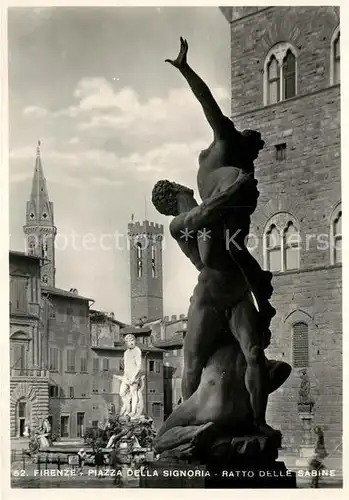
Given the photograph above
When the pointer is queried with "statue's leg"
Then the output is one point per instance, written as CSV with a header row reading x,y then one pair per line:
x,y
184,415
245,325
134,398
204,325
125,397
177,436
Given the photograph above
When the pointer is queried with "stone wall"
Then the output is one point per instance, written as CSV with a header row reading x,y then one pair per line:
x,y
147,289
307,185
34,391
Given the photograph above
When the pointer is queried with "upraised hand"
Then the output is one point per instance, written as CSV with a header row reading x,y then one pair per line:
x,y
181,59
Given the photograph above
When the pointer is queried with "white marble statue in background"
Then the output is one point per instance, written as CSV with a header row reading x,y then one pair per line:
x,y
132,382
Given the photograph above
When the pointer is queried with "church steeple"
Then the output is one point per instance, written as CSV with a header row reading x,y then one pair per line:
x,y
39,208
39,229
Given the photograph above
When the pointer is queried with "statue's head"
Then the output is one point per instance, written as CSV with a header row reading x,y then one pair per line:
x,y
253,143
247,143
130,340
165,196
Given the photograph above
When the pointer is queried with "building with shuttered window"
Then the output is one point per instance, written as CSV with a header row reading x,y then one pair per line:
x,y
29,380
285,82
65,357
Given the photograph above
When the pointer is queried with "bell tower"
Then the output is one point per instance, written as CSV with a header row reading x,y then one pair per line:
x,y
146,280
39,229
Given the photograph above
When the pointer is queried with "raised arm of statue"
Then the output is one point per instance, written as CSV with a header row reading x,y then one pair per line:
x,y
212,111
209,210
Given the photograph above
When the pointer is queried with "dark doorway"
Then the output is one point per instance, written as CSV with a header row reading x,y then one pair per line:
x,y
80,418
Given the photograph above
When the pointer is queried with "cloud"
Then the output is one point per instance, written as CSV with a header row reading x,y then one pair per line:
x,y
103,181
66,159
74,140
21,177
174,116
35,111
100,112
168,159
96,165
113,137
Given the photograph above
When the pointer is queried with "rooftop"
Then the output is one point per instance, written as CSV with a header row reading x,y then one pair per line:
x,y
17,253
120,346
102,316
136,330
175,341
63,293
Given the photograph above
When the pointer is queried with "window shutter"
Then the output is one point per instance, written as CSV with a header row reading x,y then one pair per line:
x,y
300,345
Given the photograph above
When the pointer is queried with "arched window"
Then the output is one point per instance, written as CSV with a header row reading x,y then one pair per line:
x,y
335,57
291,245
289,75
273,249
22,416
273,81
153,260
337,238
139,259
336,235
32,245
45,249
281,243
280,73
300,345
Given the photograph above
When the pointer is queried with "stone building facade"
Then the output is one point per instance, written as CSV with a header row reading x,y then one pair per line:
x,y
105,329
107,355
64,355
29,379
173,367
146,277
66,330
285,82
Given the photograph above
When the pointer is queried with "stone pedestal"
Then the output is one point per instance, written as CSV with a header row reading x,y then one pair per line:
x,y
306,453
307,448
222,462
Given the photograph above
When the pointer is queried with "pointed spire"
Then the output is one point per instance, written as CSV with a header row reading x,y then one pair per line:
x,y
40,215
40,206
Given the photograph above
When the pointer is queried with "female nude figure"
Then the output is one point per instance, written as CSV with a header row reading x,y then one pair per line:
x,y
219,166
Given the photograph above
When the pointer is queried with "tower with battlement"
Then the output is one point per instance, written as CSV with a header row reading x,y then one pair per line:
x,y
146,279
39,230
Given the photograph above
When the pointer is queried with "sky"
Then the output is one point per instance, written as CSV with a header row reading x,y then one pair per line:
x,y
113,118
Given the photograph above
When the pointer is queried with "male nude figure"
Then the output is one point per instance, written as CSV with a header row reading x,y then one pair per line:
x,y
222,296
219,166
130,383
